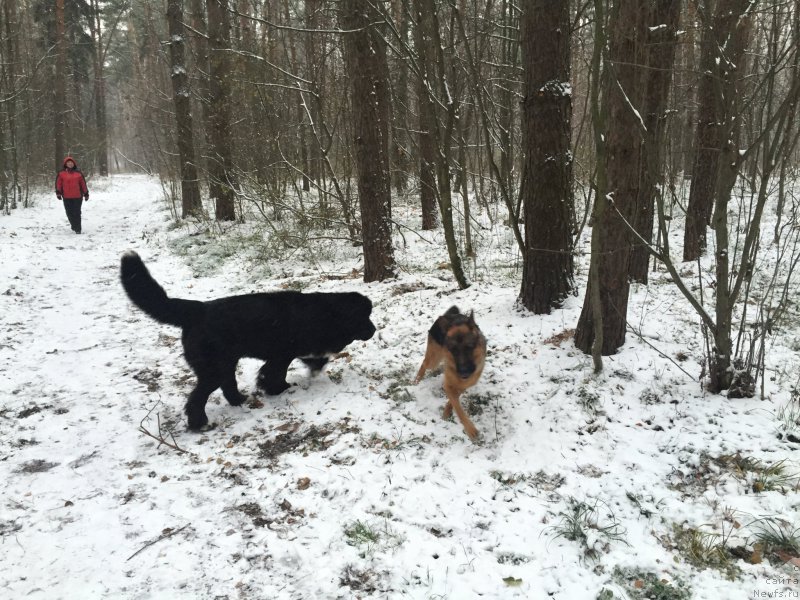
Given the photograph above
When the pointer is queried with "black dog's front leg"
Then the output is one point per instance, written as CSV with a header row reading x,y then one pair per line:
x,y
272,376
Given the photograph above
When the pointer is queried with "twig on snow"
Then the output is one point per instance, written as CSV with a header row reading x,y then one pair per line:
x,y
167,533
160,437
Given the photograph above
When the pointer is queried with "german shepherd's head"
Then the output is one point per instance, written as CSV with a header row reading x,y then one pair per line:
x,y
463,340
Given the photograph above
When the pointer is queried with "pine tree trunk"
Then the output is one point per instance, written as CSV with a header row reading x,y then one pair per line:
x,y
99,90
11,56
427,122
731,72
220,161
546,119
400,166
199,49
624,143
190,188
661,31
60,86
718,48
365,59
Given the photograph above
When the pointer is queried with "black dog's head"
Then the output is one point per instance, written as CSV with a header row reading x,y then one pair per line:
x,y
358,310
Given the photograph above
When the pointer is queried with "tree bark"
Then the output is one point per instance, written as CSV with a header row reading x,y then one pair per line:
x,y
661,40
718,49
437,72
199,49
623,94
727,92
547,271
365,59
400,153
181,97
220,164
427,120
60,86
99,89
12,34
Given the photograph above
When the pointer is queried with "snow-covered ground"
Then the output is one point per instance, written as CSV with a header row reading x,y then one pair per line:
x,y
350,485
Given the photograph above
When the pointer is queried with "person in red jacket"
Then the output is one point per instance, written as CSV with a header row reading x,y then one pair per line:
x,y
71,187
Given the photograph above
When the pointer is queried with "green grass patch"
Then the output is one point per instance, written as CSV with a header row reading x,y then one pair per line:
x,y
370,537
592,524
646,585
705,549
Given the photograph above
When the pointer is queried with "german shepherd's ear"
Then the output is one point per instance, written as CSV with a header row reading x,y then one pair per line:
x,y
452,311
438,330
471,319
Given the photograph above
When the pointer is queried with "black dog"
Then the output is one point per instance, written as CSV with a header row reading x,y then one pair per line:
x,y
275,327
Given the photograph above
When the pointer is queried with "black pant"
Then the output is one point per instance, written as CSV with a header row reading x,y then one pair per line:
x,y
73,208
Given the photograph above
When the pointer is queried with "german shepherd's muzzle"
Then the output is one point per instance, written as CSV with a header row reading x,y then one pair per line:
x,y
455,340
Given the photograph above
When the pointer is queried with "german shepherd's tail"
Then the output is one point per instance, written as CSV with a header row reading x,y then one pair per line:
x,y
145,293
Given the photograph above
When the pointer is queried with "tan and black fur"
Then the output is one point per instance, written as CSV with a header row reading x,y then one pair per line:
x,y
455,340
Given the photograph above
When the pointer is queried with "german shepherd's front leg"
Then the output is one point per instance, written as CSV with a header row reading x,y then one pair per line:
x,y
454,404
433,357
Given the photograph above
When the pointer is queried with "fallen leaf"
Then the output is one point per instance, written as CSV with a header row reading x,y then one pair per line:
x,y
788,558
512,581
303,483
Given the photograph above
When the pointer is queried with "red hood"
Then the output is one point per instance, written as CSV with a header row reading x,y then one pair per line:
x,y
64,164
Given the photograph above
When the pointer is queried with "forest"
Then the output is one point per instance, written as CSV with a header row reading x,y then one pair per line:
x,y
621,177
549,118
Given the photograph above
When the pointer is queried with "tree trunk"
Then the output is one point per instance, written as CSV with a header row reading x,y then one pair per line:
x,y
661,32
399,131
60,86
436,70
718,49
727,100
199,49
190,188
623,144
365,59
220,164
99,90
12,54
547,269
427,123
507,96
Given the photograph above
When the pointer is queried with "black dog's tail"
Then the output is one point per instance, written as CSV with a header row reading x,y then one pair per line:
x,y
145,293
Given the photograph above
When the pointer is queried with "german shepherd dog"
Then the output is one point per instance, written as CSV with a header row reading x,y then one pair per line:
x,y
274,327
455,340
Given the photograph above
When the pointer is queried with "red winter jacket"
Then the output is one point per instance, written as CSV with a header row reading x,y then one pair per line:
x,y
70,183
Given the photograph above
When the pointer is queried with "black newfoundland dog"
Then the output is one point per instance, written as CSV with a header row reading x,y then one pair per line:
x,y
274,327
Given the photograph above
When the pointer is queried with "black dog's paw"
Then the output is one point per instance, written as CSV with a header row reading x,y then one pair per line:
x,y
274,388
315,363
271,387
236,400
197,420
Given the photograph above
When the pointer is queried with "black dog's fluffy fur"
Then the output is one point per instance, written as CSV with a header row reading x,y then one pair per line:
x,y
274,327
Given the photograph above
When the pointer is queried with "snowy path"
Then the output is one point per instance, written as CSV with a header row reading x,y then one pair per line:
x,y
68,420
